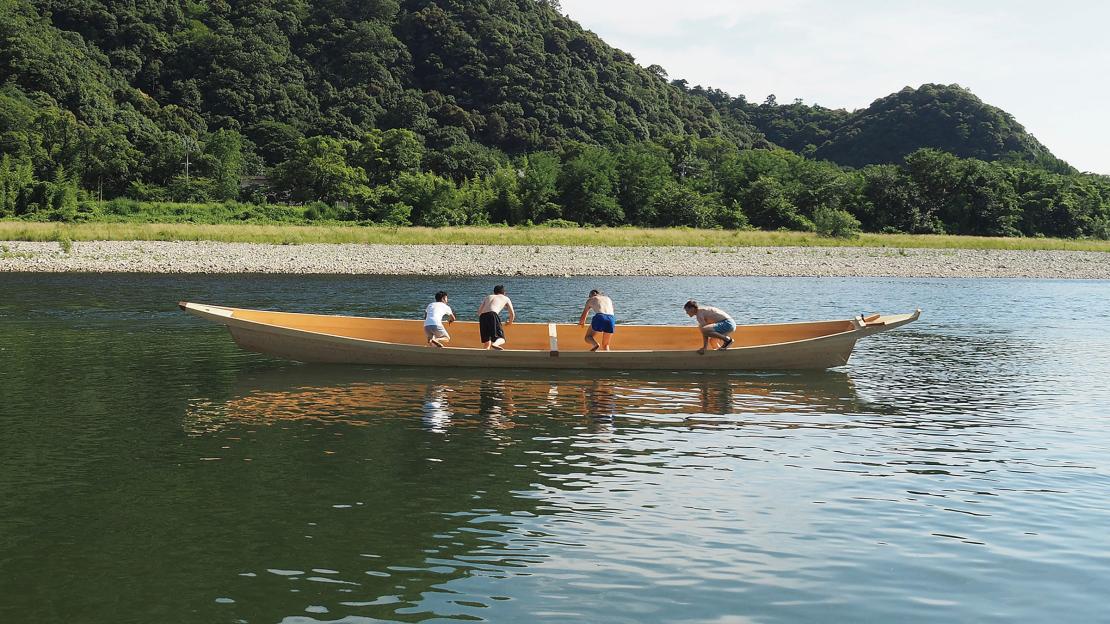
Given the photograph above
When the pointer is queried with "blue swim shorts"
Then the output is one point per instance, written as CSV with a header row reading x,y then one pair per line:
x,y
726,326
605,323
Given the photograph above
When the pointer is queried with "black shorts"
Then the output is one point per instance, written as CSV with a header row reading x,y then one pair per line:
x,y
489,324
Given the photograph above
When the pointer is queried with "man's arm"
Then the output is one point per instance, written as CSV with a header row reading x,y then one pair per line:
x,y
585,312
512,312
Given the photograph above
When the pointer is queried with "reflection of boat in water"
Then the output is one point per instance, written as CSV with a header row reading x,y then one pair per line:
x,y
394,342
473,397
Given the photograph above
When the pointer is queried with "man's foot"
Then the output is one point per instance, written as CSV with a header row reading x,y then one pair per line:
x,y
497,347
728,343
594,348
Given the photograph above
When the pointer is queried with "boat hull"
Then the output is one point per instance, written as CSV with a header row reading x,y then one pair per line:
x,y
830,352
343,340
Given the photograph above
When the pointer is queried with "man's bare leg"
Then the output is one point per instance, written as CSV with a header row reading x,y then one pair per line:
x,y
725,340
590,339
496,344
605,339
707,333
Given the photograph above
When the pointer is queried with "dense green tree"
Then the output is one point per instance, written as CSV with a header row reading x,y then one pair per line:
x,y
680,205
505,205
539,175
276,141
17,178
588,186
983,203
320,169
225,147
890,202
643,169
768,207
434,200
386,155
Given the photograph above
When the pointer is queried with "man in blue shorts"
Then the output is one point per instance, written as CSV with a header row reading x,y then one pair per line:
x,y
603,323
713,323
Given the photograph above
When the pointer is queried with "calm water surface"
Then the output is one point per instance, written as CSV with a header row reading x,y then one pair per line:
x,y
958,470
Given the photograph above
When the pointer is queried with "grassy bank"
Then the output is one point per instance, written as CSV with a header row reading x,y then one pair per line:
x,y
612,237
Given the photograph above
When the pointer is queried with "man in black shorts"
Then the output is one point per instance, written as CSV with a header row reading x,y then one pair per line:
x,y
489,318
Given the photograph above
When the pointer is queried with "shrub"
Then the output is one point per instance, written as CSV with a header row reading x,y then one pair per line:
x,y
678,205
835,223
730,216
559,223
146,192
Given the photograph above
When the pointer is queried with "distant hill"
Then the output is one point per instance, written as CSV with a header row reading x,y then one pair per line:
x,y
947,118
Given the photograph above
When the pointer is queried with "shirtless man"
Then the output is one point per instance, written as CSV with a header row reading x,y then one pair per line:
x,y
433,320
713,323
603,323
489,318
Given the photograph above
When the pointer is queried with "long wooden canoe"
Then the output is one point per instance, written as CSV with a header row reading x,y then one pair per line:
x,y
394,342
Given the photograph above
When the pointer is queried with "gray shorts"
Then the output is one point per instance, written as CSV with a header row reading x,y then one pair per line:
x,y
437,332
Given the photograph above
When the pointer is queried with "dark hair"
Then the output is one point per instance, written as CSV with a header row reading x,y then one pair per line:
x,y
499,289
691,305
595,292
441,295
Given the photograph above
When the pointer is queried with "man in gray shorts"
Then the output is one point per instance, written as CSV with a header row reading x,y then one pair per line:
x,y
434,331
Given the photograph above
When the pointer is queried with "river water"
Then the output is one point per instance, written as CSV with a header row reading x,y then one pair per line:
x,y
957,470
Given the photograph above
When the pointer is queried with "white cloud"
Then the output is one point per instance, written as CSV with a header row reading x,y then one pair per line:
x,y
661,18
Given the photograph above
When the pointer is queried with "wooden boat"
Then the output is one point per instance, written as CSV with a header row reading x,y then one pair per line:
x,y
394,342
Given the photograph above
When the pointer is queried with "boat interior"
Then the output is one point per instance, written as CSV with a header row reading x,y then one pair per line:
x,y
538,336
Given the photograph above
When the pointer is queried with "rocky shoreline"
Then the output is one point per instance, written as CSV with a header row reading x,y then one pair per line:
x,y
481,260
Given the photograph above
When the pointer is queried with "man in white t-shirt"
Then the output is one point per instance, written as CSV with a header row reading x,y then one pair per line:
x,y
433,321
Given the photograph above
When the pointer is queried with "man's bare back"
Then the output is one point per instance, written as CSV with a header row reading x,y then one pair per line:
x,y
496,303
601,304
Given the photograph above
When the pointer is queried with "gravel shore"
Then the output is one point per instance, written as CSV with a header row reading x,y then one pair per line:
x,y
212,257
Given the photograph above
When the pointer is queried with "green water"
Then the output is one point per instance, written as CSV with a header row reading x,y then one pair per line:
x,y
956,471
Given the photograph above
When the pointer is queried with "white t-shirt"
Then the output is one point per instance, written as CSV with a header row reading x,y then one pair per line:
x,y
433,317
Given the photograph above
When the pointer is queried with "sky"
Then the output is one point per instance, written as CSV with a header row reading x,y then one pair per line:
x,y
1046,63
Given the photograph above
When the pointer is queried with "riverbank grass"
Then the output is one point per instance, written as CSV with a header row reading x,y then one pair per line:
x,y
537,236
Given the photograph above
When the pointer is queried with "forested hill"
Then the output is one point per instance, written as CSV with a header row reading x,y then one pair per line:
x,y
448,112
510,74
947,118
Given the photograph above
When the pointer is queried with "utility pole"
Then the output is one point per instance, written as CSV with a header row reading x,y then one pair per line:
x,y
186,142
